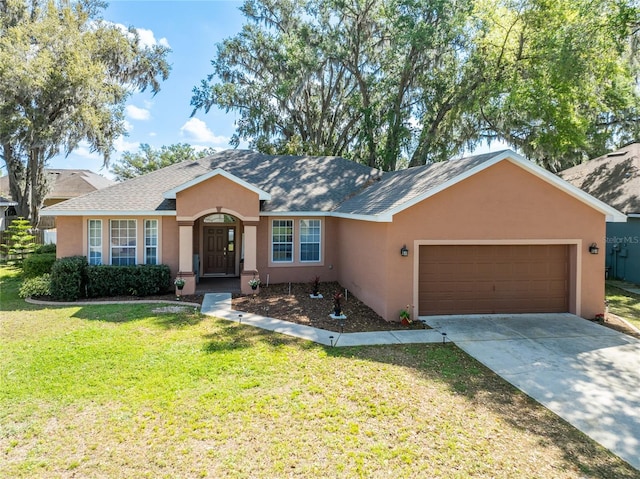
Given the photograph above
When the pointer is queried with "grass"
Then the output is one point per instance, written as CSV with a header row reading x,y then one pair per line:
x,y
624,304
119,391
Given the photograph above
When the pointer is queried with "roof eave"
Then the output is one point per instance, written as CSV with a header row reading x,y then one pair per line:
x,y
113,213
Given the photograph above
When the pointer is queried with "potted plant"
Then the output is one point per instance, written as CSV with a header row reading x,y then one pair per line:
x,y
337,303
315,288
254,283
405,316
179,284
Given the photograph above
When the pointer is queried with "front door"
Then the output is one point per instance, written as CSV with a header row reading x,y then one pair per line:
x,y
219,250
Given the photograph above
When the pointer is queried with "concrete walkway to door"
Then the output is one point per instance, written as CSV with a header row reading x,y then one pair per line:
x,y
586,373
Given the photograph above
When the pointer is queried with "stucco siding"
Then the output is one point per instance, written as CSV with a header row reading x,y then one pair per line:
x,y
217,194
70,238
297,271
501,203
363,263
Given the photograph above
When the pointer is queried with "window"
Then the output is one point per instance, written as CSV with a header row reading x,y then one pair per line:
x,y
95,241
151,241
282,241
123,242
309,240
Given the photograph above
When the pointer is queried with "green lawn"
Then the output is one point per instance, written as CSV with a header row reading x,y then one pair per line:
x,y
624,304
119,391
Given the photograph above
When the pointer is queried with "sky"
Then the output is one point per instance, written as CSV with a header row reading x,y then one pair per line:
x,y
192,29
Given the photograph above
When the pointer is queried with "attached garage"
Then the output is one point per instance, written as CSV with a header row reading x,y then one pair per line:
x,y
501,278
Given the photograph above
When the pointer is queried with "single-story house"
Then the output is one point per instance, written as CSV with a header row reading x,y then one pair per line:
x,y
615,179
489,233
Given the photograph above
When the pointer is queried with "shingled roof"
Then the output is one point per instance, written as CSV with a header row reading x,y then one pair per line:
x,y
613,178
310,184
66,183
296,183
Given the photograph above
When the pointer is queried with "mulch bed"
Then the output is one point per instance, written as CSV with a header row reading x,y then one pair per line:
x,y
297,306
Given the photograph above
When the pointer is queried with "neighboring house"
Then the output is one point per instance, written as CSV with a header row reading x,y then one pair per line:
x,y
63,185
485,234
4,206
615,179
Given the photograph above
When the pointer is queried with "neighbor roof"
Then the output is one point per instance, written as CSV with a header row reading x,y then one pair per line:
x,y
304,184
65,183
613,178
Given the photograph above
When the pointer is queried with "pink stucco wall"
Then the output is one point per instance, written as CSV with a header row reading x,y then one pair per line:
x,y
297,272
501,203
216,193
70,238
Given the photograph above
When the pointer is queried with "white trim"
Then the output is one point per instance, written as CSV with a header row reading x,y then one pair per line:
x,y
113,214
293,242
571,242
111,245
171,194
634,215
319,243
611,214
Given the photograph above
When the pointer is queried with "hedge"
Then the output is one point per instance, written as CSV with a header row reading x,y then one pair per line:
x,y
140,280
38,264
69,278
73,278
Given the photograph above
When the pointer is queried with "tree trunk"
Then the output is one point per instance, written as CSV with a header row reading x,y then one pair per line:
x,y
18,184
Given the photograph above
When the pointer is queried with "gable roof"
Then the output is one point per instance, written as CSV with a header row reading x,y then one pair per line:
x,y
66,183
613,178
295,183
306,185
171,194
402,189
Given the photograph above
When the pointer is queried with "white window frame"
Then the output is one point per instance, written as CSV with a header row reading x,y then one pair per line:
x,y
113,246
282,223
94,242
301,235
156,229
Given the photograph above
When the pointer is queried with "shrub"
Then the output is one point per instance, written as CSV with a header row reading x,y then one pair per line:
x,y
69,278
38,264
33,287
19,243
46,249
140,280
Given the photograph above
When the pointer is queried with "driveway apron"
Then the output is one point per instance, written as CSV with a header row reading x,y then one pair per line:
x,y
584,372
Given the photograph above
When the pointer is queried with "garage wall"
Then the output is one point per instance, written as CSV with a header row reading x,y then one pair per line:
x,y
503,202
363,258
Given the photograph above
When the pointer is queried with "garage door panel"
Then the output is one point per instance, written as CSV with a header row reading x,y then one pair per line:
x,y
463,279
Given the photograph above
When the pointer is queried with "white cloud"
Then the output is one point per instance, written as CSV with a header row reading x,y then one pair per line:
x,y
148,39
121,145
136,113
84,150
197,130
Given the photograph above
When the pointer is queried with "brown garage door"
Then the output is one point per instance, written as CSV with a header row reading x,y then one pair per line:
x,y
493,279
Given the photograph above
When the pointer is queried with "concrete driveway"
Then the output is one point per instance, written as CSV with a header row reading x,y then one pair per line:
x,y
586,373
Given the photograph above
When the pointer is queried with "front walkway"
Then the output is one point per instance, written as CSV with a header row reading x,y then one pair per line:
x,y
219,305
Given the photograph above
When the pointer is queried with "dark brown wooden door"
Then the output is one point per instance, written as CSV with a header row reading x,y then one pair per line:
x,y
465,279
219,250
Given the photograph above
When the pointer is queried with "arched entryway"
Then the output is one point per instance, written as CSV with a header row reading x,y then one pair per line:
x,y
220,245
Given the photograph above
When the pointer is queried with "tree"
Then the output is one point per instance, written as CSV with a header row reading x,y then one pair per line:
x,y
65,75
20,242
147,159
391,82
